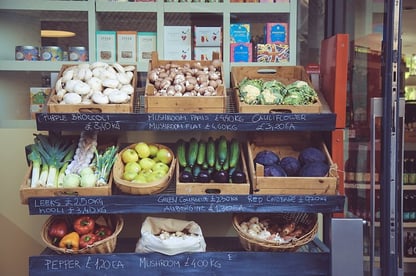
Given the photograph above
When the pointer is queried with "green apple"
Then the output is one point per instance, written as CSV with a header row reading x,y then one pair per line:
x,y
129,176
146,163
140,178
153,150
142,149
129,155
160,166
132,167
155,175
164,155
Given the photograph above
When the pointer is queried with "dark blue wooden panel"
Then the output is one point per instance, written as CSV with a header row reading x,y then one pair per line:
x,y
208,263
167,203
105,122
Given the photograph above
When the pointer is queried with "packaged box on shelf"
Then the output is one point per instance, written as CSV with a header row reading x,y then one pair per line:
x,y
106,46
183,104
38,99
55,105
277,33
26,191
126,47
146,44
272,53
207,36
241,52
289,144
205,53
177,43
198,188
239,33
284,74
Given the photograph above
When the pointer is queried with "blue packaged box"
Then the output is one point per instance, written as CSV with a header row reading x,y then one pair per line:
x,y
239,33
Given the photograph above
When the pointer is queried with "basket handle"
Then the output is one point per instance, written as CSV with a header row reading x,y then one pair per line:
x,y
66,193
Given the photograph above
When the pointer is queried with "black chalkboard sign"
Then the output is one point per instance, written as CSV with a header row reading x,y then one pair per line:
x,y
102,122
205,263
167,203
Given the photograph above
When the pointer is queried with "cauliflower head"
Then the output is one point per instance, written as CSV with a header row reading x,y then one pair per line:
x,y
250,90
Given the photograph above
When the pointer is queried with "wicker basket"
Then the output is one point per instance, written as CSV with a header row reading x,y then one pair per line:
x,y
107,245
141,188
250,243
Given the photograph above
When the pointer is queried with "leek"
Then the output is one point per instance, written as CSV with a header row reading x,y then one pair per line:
x,y
53,150
36,160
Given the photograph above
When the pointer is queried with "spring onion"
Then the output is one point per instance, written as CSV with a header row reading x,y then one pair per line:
x,y
103,164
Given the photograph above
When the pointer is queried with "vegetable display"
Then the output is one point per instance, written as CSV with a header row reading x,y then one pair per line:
x,y
310,162
274,92
189,79
77,232
96,83
211,160
278,231
58,162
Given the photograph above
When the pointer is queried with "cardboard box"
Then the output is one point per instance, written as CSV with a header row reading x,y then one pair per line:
x,y
207,36
272,53
239,33
38,99
146,44
126,47
188,104
177,43
289,144
106,46
205,53
277,33
285,74
241,52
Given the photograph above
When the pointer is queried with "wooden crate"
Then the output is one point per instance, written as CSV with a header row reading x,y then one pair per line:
x,y
284,74
189,104
289,144
27,192
55,107
197,188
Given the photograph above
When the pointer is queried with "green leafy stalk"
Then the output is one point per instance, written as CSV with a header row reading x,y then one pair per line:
x,y
103,164
36,160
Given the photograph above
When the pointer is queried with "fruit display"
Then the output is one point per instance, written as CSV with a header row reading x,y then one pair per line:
x,y
211,160
62,162
145,162
311,162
